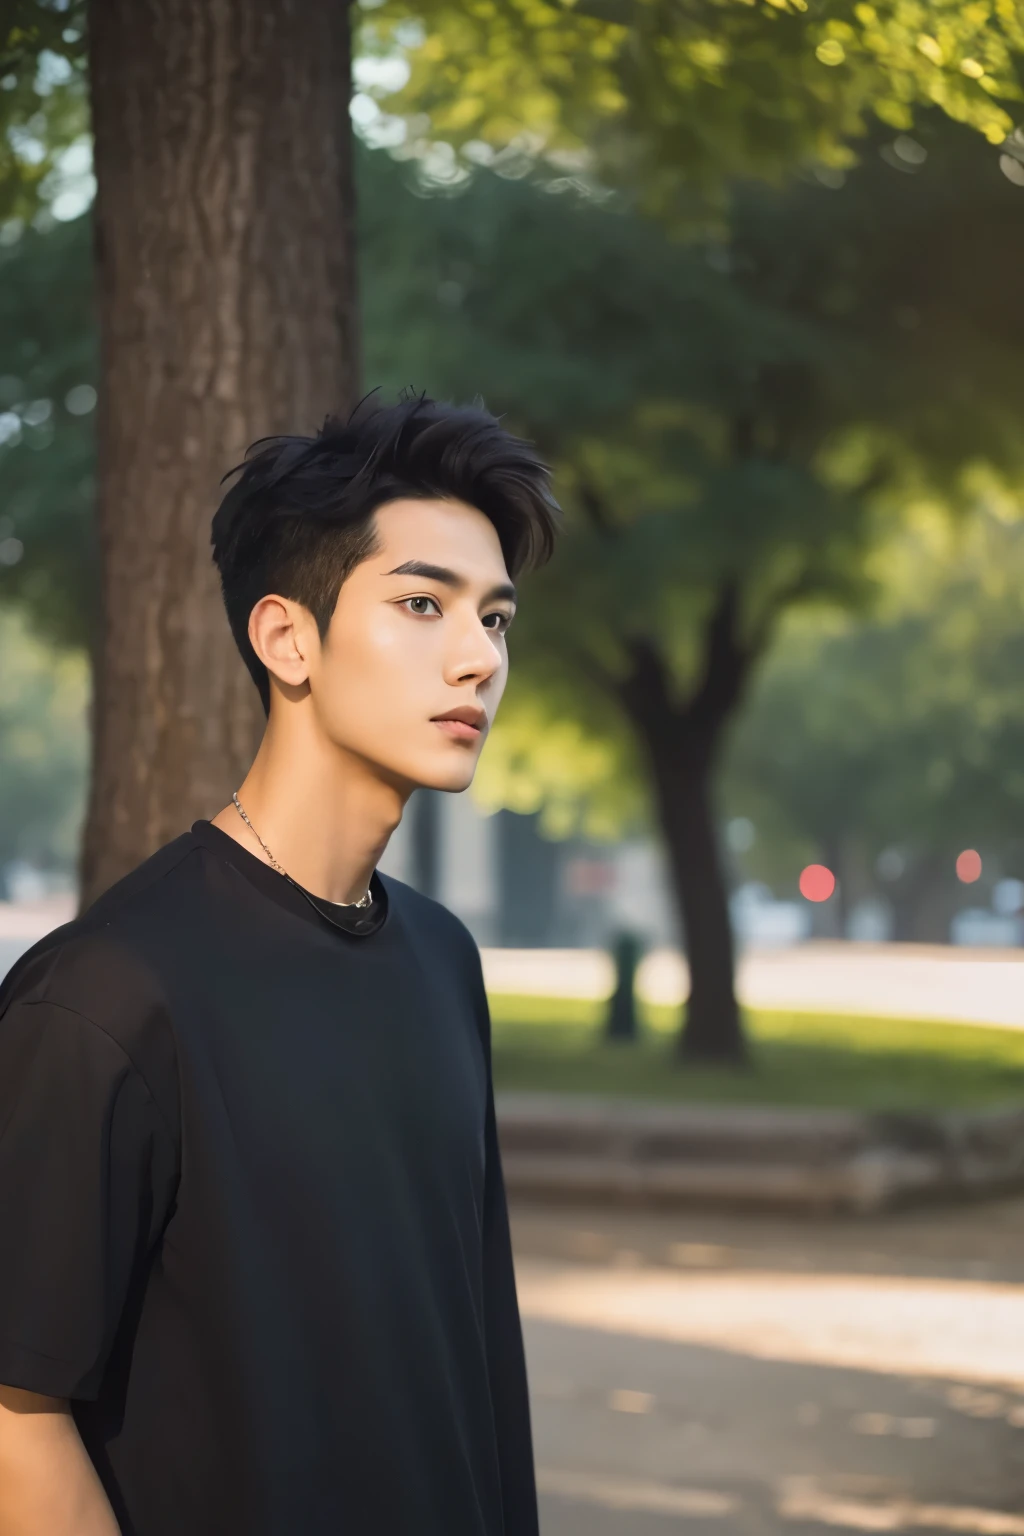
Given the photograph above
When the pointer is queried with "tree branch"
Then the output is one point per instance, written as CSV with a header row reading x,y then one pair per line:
x,y
727,663
646,693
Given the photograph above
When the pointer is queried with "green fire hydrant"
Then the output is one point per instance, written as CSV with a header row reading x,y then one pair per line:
x,y
622,1019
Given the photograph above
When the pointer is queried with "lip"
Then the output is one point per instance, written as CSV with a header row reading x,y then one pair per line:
x,y
459,730
465,723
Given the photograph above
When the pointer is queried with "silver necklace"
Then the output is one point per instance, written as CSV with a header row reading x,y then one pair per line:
x,y
362,903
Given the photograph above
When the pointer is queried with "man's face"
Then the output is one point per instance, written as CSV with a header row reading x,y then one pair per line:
x,y
413,666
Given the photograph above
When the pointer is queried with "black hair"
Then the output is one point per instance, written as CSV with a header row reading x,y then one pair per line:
x,y
299,517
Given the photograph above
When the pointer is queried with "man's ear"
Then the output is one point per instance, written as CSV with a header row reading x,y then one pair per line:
x,y
282,633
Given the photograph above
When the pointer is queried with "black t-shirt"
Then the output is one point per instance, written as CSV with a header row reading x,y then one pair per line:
x,y
252,1213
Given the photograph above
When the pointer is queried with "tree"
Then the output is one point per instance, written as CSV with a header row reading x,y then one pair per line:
x,y
730,420
669,103
226,311
890,743
673,101
224,272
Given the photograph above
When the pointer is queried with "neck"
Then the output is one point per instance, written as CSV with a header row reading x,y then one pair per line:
x,y
325,815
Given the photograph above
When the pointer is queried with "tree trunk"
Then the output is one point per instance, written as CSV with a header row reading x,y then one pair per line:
x,y
925,900
682,780
912,897
681,739
226,295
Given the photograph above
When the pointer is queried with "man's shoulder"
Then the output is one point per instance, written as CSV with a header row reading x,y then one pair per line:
x,y
433,926
148,884
425,914
99,984
101,957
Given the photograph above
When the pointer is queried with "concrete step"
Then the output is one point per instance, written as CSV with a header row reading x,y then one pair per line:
x,y
576,1147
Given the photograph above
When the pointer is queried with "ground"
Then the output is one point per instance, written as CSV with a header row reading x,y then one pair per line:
x,y
740,1374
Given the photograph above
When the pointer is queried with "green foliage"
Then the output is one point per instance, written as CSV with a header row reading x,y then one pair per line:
x,y
757,409
43,102
558,1045
666,98
48,364
43,748
904,730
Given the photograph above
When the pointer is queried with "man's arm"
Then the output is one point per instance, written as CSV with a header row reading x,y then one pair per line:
x,y
88,1173
506,1362
48,1485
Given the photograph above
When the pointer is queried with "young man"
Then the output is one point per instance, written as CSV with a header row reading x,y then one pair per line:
x,y
256,1277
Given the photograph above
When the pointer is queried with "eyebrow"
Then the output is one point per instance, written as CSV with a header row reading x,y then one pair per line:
x,y
449,578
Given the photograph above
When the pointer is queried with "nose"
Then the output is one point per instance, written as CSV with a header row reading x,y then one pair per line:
x,y
473,655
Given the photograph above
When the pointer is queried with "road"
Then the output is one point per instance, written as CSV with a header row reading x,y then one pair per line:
x,y
911,981
731,1375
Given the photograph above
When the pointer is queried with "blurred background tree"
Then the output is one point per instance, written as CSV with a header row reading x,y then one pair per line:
x,y
734,424
887,745
44,111
670,101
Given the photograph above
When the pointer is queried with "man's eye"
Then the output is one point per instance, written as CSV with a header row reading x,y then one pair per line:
x,y
422,605
497,621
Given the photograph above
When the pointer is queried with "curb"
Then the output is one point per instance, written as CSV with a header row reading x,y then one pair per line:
x,y
563,1146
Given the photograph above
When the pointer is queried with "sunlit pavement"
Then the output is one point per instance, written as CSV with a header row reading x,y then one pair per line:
x,y
914,981
743,1374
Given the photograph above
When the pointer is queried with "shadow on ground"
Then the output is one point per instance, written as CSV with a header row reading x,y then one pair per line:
x,y
659,1408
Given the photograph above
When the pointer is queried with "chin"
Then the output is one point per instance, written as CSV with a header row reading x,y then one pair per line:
x,y
450,776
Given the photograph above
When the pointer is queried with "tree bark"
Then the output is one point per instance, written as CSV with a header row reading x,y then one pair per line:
x,y
226,296
713,1030
682,739
923,901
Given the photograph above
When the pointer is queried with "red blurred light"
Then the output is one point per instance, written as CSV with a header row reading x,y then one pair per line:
x,y
968,866
817,883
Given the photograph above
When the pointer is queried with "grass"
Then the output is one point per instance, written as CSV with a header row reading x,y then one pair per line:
x,y
796,1058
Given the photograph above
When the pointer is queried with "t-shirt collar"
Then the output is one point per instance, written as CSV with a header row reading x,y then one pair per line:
x,y
354,921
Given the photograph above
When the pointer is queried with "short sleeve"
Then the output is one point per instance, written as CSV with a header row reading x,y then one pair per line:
x,y
87,1176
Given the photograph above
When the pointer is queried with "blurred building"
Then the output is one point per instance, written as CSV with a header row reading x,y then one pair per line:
x,y
515,888
512,886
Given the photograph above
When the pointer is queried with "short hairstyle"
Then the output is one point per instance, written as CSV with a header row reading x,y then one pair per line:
x,y
299,517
